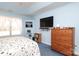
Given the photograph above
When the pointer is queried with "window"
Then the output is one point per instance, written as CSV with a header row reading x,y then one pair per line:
x,y
16,26
4,26
10,26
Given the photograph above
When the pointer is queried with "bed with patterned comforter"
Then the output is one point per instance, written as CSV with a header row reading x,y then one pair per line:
x,y
18,46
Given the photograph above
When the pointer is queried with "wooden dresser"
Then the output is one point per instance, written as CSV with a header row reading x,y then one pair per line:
x,y
62,40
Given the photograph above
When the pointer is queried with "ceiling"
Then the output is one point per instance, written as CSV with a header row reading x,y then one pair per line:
x,y
15,7
24,4
28,8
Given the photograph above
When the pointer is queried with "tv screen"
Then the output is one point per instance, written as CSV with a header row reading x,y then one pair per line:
x,y
46,22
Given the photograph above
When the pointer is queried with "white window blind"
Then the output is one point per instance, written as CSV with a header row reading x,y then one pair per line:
x,y
16,26
4,26
10,26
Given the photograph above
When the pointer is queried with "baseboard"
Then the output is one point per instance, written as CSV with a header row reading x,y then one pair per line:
x,y
46,43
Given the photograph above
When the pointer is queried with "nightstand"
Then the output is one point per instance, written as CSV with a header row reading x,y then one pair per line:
x,y
37,37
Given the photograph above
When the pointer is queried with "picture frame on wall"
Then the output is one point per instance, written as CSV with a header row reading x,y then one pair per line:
x,y
28,24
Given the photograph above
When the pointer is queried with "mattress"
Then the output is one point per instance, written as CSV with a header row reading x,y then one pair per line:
x,y
18,46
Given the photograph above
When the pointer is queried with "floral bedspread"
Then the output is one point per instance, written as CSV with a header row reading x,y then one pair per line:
x,y
18,46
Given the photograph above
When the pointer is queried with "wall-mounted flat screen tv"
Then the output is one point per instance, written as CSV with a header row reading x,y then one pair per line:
x,y
46,22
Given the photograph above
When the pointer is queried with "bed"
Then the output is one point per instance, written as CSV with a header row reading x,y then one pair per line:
x,y
18,46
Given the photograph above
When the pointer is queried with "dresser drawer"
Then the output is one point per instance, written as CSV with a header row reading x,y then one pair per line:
x,y
66,42
56,47
66,52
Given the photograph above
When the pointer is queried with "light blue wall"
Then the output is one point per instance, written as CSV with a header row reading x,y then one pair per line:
x,y
65,16
24,20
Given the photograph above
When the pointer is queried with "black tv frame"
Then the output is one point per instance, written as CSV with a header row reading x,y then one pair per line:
x,y
44,27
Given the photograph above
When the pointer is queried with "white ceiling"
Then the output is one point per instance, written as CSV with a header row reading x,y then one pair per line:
x,y
28,8
15,7
24,4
